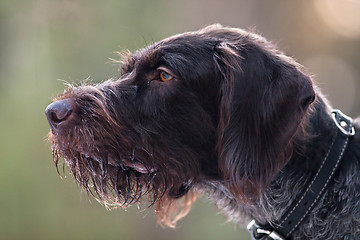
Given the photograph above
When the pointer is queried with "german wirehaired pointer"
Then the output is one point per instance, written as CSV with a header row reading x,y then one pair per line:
x,y
219,112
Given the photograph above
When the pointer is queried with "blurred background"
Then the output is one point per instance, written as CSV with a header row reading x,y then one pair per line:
x,y
44,42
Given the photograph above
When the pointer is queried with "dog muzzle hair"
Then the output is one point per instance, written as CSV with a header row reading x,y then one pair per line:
x,y
220,112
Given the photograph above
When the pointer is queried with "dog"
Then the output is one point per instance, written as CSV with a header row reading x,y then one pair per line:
x,y
219,112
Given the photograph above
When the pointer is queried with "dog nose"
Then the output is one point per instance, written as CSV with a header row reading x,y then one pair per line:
x,y
58,112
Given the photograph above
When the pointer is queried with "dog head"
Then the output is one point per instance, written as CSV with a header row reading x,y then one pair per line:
x,y
217,104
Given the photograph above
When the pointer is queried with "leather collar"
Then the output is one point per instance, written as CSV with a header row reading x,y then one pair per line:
x,y
300,209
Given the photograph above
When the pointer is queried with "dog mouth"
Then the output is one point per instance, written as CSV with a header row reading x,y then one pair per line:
x,y
111,179
139,167
124,164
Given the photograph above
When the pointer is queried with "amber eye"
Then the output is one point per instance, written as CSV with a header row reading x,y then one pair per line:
x,y
164,76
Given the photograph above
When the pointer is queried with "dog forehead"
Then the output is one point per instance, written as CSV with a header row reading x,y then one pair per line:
x,y
197,43
178,52
187,51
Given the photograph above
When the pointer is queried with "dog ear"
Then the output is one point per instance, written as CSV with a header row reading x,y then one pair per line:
x,y
263,98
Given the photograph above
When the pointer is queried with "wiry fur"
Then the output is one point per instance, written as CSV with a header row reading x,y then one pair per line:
x,y
238,122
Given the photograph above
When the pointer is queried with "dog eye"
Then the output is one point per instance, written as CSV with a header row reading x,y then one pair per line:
x,y
164,76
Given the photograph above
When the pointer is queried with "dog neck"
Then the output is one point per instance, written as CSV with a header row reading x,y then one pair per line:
x,y
290,183
321,179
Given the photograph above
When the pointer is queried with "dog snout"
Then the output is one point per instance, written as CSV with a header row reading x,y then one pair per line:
x,y
59,112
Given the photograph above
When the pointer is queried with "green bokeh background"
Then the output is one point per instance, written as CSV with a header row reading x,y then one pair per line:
x,y
43,43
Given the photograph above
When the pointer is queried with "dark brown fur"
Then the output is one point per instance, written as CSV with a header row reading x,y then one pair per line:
x,y
233,115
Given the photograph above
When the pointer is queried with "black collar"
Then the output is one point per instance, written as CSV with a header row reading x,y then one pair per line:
x,y
299,210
